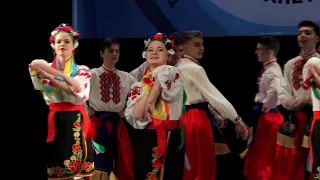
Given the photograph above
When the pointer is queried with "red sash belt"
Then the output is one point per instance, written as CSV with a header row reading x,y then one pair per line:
x,y
161,126
316,115
66,106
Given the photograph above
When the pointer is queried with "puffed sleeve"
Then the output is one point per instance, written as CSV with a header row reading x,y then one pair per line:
x,y
83,77
171,82
285,94
135,95
131,80
35,79
307,75
139,71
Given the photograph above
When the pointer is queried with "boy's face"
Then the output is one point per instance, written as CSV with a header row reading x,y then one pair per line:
x,y
307,37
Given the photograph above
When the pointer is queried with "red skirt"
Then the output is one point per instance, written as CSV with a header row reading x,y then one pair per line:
x,y
124,169
261,155
291,157
199,146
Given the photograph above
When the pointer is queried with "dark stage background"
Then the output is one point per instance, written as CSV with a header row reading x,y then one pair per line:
x,y
230,64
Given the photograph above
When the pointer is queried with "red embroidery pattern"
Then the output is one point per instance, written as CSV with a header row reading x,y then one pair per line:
x,y
47,82
84,71
169,83
73,165
297,80
134,92
192,59
177,76
110,86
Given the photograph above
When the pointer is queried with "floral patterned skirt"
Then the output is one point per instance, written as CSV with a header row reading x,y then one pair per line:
x,y
144,143
69,154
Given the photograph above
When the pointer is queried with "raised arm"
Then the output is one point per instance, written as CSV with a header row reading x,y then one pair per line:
x,y
212,94
42,65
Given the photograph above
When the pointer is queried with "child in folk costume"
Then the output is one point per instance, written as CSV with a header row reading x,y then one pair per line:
x,y
65,88
174,60
311,73
198,121
154,108
292,147
108,95
261,155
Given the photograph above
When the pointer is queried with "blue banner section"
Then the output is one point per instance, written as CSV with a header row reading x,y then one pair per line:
x,y
141,18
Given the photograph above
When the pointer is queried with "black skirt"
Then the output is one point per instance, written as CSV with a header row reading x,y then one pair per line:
x,y
143,142
315,140
69,154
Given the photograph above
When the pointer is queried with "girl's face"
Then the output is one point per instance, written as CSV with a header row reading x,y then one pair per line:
x,y
157,54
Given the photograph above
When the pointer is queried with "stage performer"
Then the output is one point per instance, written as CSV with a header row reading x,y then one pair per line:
x,y
311,76
260,155
108,94
65,88
154,108
293,141
174,60
198,121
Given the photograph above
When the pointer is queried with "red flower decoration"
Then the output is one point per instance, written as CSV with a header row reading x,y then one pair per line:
x,y
157,163
319,49
152,176
77,36
51,39
158,36
66,28
172,44
76,124
76,148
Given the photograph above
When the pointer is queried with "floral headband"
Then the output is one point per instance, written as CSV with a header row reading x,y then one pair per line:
x,y
160,37
65,28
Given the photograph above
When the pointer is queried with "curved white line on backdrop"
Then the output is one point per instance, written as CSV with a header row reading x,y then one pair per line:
x,y
269,13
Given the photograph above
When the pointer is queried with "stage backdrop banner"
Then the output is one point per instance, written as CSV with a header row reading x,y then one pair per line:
x,y
141,18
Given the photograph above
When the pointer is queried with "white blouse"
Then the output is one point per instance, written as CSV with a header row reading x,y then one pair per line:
x,y
269,86
172,93
83,77
199,89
